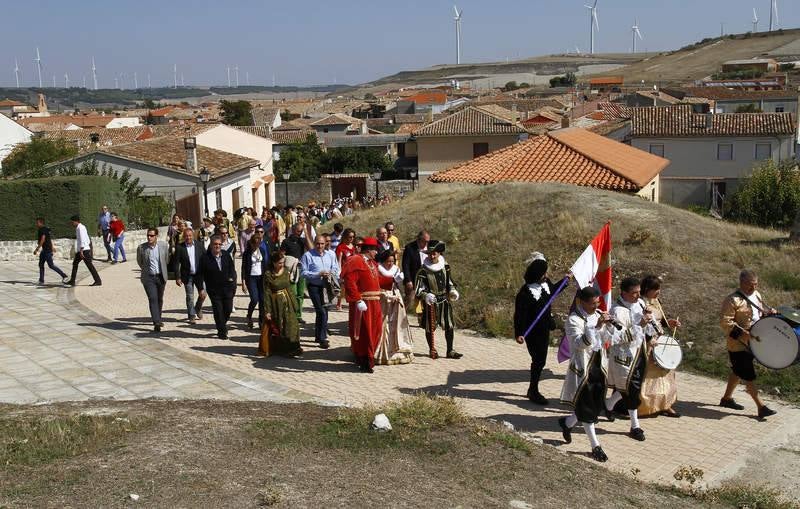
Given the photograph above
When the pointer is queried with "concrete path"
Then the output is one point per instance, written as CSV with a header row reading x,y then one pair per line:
x,y
54,349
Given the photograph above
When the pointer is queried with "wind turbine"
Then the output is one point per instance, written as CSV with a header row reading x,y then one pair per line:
x,y
577,50
247,78
54,81
755,21
66,80
593,23
773,12
149,85
135,81
183,83
635,33
16,71
457,19
236,70
39,66
174,75
94,74
229,76
84,82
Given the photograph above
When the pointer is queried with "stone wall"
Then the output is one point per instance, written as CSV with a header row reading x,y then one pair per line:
x,y
393,188
22,250
301,193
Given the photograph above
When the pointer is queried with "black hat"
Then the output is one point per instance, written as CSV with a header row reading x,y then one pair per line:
x,y
536,270
435,245
76,217
384,255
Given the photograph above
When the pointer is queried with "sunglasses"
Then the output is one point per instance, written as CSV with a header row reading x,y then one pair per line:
x,y
151,235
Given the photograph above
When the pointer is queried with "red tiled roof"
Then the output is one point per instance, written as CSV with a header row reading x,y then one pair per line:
x,y
335,119
8,103
428,97
680,121
107,137
572,156
78,120
614,110
607,80
161,112
468,122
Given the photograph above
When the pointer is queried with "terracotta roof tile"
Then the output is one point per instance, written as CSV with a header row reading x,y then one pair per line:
x,y
723,93
264,116
335,119
572,156
680,120
279,137
428,97
107,137
468,122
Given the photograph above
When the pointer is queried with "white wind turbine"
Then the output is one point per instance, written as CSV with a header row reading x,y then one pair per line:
x,y
236,71
755,21
16,71
66,80
593,23
94,74
174,75
135,81
635,33
457,19
39,66
229,76
773,13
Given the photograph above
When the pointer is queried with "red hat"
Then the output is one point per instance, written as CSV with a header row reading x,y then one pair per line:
x,y
370,243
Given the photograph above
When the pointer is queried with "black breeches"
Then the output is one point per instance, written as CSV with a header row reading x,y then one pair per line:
x,y
537,348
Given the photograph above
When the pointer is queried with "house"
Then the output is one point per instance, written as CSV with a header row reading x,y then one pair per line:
x,y
60,122
729,100
709,153
281,138
268,117
423,102
338,124
571,156
25,111
7,106
11,134
461,136
164,167
605,84
754,64
89,139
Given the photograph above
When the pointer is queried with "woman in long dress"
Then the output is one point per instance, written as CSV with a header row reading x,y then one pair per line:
x,y
659,388
281,332
395,346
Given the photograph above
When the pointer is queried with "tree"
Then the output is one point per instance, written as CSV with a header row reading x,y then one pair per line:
x,y
511,85
304,161
369,97
34,156
567,80
356,160
236,112
770,197
748,108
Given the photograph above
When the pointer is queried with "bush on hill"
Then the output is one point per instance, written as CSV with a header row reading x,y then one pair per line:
x,y
491,230
770,197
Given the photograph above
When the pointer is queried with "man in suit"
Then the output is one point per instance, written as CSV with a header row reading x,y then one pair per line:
x,y
188,255
152,259
218,275
413,256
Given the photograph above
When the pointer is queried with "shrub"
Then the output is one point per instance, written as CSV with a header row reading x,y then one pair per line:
x,y
769,197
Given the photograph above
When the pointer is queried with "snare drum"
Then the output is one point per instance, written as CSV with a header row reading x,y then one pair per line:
x,y
774,343
667,352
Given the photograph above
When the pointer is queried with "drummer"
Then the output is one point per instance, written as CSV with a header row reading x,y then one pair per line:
x,y
740,310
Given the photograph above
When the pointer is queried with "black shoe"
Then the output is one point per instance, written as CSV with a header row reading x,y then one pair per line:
x,y
113,262
324,345
300,320
157,328
609,414
565,431
96,283
223,337
198,310
249,324
637,434
599,455
730,403
69,283
765,412
452,354
536,397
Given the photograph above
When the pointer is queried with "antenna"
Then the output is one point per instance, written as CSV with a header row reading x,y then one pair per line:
x,y
457,19
635,33
16,70
174,75
39,66
755,21
593,24
94,74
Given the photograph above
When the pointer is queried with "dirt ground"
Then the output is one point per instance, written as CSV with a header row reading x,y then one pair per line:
x,y
206,453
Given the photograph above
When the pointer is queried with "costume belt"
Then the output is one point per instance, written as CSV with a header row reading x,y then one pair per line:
x,y
371,295
282,291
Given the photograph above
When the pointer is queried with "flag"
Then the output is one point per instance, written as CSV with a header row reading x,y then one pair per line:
x,y
593,267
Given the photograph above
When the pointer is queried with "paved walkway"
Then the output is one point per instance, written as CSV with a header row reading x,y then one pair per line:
x,y
54,349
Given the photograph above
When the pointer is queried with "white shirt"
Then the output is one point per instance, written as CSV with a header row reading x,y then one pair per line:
x,y
82,240
190,250
756,312
155,265
255,262
219,260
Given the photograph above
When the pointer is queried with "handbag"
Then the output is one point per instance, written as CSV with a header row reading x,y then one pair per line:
x,y
332,287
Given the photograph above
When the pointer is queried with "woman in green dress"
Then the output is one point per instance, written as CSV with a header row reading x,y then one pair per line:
x,y
281,332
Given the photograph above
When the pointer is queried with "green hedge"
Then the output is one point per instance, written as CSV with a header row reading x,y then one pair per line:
x,y
56,199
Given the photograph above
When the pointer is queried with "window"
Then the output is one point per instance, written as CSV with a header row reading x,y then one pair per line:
x,y
657,149
218,198
725,152
236,198
779,109
479,149
763,151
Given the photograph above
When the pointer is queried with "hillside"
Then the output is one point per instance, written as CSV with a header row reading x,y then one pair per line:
x,y
491,230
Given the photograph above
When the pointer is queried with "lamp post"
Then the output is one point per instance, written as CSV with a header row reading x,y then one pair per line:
x,y
377,176
413,175
204,178
286,176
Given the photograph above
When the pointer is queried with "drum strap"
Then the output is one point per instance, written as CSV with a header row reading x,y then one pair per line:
x,y
745,297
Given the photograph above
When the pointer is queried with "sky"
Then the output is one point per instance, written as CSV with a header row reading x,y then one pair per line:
x,y
306,42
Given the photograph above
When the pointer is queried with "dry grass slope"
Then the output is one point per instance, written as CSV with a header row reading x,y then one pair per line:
x,y
490,231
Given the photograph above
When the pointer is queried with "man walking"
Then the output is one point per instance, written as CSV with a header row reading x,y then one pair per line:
x,y
316,266
103,227
152,259
45,251
188,257
83,251
218,277
413,256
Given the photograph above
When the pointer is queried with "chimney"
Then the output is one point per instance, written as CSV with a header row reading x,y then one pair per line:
x,y
191,160
564,121
514,115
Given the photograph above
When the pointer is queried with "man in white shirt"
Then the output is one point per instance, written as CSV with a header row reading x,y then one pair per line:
x,y
83,251
152,259
188,257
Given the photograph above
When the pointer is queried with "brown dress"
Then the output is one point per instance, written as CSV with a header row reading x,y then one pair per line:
x,y
659,388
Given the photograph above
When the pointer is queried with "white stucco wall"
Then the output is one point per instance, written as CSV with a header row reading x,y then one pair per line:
x,y
11,133
123,122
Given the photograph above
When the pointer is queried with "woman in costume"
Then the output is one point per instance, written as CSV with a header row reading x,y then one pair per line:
x,y
281,332
659,389
395,346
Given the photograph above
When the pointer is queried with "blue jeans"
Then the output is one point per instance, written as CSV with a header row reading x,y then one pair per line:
x,y
255,288
192,305
119,247
321,323
47,257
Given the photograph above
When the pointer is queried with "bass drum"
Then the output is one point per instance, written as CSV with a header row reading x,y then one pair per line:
x,y
774,342
667,353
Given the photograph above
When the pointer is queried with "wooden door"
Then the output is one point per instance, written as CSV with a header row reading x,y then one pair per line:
x,y
188,207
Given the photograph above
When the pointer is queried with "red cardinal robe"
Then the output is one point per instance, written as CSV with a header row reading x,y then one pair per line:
x,y
361,283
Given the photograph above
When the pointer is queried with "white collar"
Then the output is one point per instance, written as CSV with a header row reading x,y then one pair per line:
x,y
388,273
536,289
434,266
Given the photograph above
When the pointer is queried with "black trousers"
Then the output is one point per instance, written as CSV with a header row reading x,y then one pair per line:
x,y
222,305
537,348
87,259
154,288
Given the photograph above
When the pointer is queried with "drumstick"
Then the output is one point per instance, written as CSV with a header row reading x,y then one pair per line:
x,y
675,329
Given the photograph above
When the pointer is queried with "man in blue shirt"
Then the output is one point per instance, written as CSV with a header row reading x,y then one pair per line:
x,y
316,266
103,220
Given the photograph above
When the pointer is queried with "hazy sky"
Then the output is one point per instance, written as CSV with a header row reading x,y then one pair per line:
x,y
346,41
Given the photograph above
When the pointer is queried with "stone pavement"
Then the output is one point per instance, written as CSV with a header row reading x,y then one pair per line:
x,y
490,381
53,349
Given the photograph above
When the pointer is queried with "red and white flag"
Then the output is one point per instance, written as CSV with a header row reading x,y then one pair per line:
x,y
593,266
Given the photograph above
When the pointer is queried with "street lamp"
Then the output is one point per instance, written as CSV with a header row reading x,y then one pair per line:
x,y
377,176
413,175
204,178
286,176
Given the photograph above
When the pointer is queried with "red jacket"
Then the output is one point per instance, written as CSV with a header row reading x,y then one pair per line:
x,y
361,283
116,228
